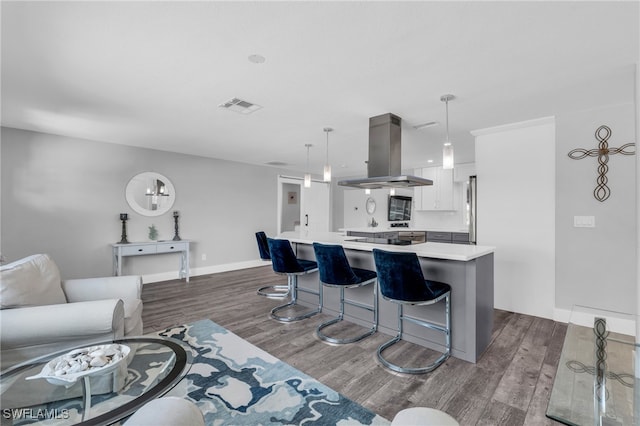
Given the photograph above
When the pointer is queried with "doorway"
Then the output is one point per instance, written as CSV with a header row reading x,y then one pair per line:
x,y
303,209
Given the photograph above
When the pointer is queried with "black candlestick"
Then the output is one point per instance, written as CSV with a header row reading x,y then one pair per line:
x,y
123,218
175,219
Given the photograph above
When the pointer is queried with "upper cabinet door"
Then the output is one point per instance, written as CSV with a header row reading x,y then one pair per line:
x,y
439,196
462,172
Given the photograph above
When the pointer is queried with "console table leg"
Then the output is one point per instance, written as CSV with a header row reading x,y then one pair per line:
x,y
186,264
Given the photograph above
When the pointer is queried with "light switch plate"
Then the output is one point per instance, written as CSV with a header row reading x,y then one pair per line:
x,y
584,221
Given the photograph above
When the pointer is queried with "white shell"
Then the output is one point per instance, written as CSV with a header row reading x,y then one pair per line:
x,y
98,361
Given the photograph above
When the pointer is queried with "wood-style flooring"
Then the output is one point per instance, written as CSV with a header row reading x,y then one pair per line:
x,y
510,384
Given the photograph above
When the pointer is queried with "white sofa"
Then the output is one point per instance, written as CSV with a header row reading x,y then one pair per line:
x,y
40,313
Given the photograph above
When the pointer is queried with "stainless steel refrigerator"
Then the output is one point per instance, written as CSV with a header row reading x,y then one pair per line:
x,y
472,207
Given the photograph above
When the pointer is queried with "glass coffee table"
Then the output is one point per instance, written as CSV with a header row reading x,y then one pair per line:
x,y
595,382
155,365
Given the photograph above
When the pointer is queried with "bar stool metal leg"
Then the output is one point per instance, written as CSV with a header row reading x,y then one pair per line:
x,y
292,279
274,291
335,271
446,330
374,326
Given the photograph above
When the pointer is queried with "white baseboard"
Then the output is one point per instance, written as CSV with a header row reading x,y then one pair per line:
x,y
166,276
618,323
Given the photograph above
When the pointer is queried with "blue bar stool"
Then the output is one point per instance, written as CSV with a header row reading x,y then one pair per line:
x,y
284,262
401,281
270,291
335,271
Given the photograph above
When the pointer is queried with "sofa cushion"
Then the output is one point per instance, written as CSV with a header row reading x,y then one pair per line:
x,y
32,281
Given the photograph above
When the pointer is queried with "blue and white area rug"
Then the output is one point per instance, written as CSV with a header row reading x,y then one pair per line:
x,y
236,383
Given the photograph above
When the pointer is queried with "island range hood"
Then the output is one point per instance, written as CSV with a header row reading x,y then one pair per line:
x,y
384,165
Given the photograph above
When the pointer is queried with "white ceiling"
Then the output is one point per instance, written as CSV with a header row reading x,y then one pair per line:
x,y
152,74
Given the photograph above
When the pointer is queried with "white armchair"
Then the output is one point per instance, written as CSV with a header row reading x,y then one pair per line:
x,y
41,314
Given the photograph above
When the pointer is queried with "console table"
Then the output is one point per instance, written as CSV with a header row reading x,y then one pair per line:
x,y
152,247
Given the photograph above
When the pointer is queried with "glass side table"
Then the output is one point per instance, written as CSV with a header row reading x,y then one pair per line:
x,y
595,381
155,365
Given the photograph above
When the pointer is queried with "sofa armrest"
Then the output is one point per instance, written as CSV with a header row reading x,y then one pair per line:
x,y
127,287
27,333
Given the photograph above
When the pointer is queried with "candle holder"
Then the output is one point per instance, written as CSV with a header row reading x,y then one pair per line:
x,y
176,215
123,218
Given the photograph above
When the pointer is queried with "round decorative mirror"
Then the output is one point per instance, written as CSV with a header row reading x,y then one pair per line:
x,y
150,194
371,205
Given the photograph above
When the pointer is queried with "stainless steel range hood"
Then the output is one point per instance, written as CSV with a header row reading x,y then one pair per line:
x,y
384,165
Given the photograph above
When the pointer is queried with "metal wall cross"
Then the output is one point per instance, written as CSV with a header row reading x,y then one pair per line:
x,y
603,133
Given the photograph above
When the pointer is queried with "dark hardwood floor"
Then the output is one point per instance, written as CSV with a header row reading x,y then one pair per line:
x,y
510,384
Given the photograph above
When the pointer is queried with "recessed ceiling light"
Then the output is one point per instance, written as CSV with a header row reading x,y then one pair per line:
x,y
429,161
257,59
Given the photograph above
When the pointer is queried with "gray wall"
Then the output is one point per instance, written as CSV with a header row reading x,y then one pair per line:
x,y
63,196
595,266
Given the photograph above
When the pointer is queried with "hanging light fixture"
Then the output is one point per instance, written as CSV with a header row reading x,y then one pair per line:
x,y
307,175
367,191
447,149
327,166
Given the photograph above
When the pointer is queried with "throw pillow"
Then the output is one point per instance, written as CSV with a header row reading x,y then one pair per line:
x,y
32,281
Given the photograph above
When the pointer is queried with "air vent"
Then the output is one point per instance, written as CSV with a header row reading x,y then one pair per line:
x,y
238,105
276,163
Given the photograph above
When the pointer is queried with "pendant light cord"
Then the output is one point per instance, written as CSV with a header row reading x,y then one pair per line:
x,y
327,130
446,99
447,109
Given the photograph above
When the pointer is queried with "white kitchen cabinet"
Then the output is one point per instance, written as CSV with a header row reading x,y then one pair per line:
x,y
438,196
461,172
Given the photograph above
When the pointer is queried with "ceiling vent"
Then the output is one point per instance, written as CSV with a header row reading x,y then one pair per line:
x,y
238,105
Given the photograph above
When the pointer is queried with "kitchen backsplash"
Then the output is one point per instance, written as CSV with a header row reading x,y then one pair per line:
x,y
356,216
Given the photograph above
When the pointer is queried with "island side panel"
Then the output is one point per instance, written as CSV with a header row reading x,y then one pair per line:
x,y
484,302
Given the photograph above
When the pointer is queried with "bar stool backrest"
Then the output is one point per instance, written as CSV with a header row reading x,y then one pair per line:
x,y
333,265
400,276
263,245
283,259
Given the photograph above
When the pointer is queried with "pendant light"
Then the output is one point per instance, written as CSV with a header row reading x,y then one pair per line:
x,y
327,166
447,149
307,175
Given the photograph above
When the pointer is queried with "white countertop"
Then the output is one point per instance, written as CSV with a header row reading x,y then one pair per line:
x,y
462,252
399,228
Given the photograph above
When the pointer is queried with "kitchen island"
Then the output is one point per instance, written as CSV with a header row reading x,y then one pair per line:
x,y
468,269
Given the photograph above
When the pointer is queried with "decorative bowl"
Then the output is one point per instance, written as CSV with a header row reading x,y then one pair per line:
x,y
68,378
